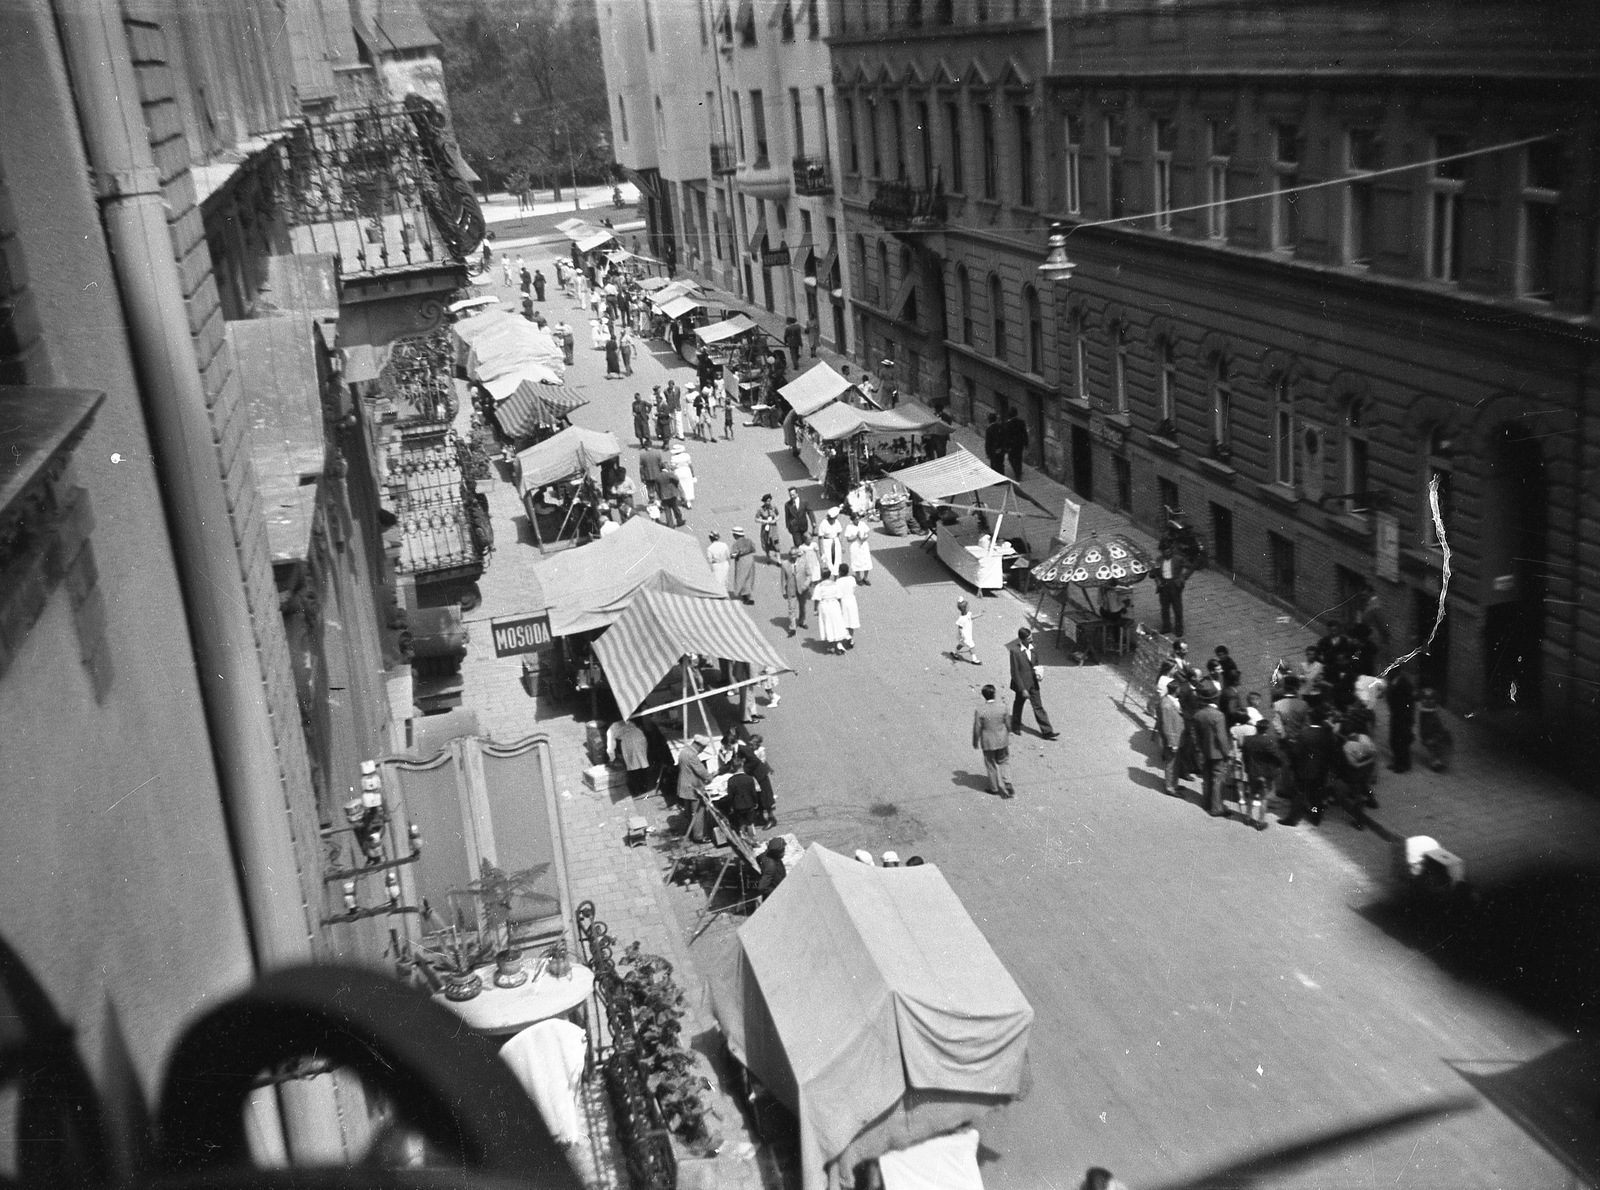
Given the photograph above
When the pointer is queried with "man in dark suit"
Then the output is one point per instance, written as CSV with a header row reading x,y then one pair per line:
x,y
651,466
796,520
994,444
1025,685
1212,745
1016,440
991,733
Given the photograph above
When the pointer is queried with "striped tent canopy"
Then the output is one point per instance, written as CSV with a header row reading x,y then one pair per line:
x,y
530,405
1095,561
659,629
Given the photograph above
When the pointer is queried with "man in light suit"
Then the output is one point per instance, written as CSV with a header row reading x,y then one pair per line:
x,y
991,733
1025,685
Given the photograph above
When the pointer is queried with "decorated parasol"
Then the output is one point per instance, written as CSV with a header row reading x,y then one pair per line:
x,y
1095,561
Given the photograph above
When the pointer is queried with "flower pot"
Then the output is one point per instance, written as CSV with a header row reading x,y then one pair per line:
x,y
462,987
508,972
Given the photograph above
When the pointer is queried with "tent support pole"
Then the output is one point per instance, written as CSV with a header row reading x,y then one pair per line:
x,y
668,706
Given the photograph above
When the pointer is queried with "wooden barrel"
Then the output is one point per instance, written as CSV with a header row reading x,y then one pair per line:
x,y
895,514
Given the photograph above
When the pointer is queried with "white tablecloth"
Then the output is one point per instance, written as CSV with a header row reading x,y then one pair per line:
x,y
507,1010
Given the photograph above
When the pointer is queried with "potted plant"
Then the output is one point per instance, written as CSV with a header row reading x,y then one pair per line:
x,y
496,891
560,958
454,959
656,1003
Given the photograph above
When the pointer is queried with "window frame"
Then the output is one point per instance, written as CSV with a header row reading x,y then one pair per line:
x,y
964,296
1161,171
1168,385
897,139
1119,369
1284,459
1074,162
1221,403
1116,189
1285,221
874,139
884,292
1360,239
1438,459
1031,311
1022,114
998,346
1080,359
989,150
1445,212
1356,454
1548,202
758,128
1217,164
954,131
797,114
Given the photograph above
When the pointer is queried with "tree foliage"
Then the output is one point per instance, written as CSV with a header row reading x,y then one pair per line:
x,y
527,93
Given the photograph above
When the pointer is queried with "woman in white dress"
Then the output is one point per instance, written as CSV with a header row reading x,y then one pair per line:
x,y
825,602
846,583
681,463
858,549
721,560
828,540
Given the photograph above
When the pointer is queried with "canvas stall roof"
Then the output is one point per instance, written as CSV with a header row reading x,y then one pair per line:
x,y
275,357
659,628
948,1162
842,420
532,404
587,588
468,329
959,471
501,387
679,306
566,225
835,421
726,329
579,229
597,240
573,452
513,346
868,1001
651,284
817,386
676,289
473,303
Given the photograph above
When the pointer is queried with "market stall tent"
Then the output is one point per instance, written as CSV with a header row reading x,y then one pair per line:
x,y
816,387
869,1003
500,344
679,306
659,629
976,556
728,328
586,589
528,405
570,454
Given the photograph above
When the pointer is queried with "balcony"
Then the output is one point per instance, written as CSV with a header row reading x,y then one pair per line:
x,y
813,175
723,159
900,206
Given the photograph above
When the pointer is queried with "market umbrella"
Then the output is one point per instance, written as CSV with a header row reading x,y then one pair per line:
x,y
1095,561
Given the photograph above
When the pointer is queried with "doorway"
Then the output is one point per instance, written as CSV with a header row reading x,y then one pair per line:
x,y
1036,428
1082,462
1515,530
1433,663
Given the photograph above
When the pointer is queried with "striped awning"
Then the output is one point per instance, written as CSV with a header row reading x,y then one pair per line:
x,y
659,629
532,404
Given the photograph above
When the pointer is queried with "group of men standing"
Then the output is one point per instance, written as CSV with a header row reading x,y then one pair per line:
x,y
1006,441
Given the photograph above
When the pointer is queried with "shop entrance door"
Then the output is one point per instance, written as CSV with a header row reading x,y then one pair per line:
x,y
1082,463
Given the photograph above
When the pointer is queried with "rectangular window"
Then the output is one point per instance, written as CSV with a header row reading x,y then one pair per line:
x,y
1024,157
1167,491
1445,183
1283,435
958,176
1221,404
852,151
991,163
1282,553
1169,391
758,125
1119,372
897,140
1219,149
1541,197
1080,361
813,23
1162,137
1285,177
1222,537
925,139
822,123
738,123
997,316
799,118
1074,165
872,139
1116,198
1123,470
1360,233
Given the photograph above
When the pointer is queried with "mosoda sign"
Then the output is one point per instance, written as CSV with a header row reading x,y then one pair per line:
x,y
520,634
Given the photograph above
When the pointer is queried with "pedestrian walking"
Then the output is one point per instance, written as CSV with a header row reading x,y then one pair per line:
x,y
683,466
994,444
641,421
813,335
727,416
651,466
1400,694
505,269
613,359
1016,439
1262,760
568,341
1172,573
811,562
671,498
846,583
625,345
744,567
858,550
966,646
767,520
793,337
527,307
538,285
663,421
796,518
791,578
829,544
1025,685
525,276
831,630
991,736
721,559
1213,747
1435,738
1171,729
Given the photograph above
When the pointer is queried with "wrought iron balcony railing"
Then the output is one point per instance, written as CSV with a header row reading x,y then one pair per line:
x,y
723,158
813,175
899,204
381,187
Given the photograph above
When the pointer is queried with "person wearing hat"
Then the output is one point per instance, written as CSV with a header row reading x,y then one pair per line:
x,y
829,539
718,554
830,613
752,753
1025,685
744,567
796,519
991,736
682,464
693,775
858,550
772,867
792,578
1212,745
966,646
641,420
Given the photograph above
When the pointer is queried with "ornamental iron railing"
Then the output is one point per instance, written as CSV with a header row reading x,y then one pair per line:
x,y
723,159
900,205
813,175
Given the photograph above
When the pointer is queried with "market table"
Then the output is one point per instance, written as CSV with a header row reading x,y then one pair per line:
x,y
510,1010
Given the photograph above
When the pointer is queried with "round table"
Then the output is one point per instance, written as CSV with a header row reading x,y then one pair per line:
x,y
510,1010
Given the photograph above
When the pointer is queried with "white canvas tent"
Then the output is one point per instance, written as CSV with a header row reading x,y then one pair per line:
x,y
869,1003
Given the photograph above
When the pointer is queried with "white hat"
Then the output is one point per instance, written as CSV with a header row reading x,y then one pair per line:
x,y
891,859
865,857
834,511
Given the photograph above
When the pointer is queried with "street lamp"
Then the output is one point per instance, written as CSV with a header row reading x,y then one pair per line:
x,y
1056,268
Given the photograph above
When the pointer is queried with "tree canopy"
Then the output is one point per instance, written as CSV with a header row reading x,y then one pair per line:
x,y
527,94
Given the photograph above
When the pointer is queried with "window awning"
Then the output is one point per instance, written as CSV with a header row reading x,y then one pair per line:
x,y
902,293
758,237
532,404
659,629
727,329
817,386
959,471
679,306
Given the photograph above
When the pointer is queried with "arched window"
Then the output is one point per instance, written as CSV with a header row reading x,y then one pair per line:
x,y
1030,305
1169,389
1221,406
1283,429
883,274
1356,418
964,296
1119,368
997,316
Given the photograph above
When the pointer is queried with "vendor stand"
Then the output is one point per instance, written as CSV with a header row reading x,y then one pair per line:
x,y
496,344
843,446
816,388
677,315
1103,567
527,410
976,551
867,1002
569,466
